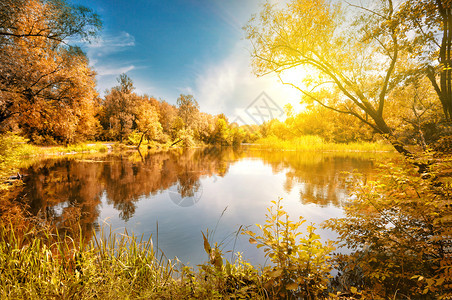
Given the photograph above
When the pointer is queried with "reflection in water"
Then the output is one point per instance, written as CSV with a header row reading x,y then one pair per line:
x,y
65,187
322,176
81,188
64,191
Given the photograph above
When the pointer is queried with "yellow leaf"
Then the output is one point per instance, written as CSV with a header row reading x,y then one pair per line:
x,y
353,290
252,241
250,233
292,286
207,247
275,273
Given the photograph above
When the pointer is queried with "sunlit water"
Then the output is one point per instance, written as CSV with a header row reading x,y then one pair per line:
x,y
185,192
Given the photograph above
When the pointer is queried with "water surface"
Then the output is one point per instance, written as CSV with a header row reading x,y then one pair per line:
x,y
184,192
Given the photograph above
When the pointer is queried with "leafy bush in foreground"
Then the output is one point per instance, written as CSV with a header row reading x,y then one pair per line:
x,y
301,264
399,228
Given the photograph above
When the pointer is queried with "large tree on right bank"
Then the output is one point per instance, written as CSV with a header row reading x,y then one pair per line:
x,y
358,56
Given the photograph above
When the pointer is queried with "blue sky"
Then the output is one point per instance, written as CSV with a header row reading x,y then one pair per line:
x,y
178,47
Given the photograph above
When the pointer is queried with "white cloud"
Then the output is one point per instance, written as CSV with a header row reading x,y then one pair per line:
x,y
113,70
230,87
110,43
101,53
187,90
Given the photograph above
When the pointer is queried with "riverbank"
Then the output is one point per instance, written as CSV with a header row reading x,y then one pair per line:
x,y
315,143
30,150
15,150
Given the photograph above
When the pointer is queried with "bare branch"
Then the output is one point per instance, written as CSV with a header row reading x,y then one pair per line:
x,y
366,9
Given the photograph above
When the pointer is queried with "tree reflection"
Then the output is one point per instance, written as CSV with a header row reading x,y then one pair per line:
x,y
68,190
64,192
321,177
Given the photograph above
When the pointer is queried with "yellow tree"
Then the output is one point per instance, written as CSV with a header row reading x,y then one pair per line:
x,y
353,56
168,113
65,109
429,24
188,109
147,120
358,59
39,70
54,20
118,107
415,113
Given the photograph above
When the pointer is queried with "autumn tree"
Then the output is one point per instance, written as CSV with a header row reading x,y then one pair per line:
x,y
118,106
124,114
327,124
147,119
40,71
205,128
69,117
221,133
397,228
168,114
238,135
353,56
54,20
361,61
415,114
188,109
429,24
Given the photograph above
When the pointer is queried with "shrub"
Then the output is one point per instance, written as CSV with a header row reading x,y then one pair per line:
x,y
399,229
301,264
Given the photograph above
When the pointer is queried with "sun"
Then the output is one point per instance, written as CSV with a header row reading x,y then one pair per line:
x,y
290,81
299,76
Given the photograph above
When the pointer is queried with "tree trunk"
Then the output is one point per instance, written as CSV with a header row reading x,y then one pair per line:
x,y
141,139
444,90
180,140
386,131
446,72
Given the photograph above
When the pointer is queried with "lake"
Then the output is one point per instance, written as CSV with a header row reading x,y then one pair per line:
x,y
176,194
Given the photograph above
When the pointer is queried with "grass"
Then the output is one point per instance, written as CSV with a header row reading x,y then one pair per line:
x,y
14,148
40,265
315,143
28,150
37,262
15,151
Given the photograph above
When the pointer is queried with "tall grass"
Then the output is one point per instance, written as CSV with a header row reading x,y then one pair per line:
x,y
39,265
316,143
35,264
